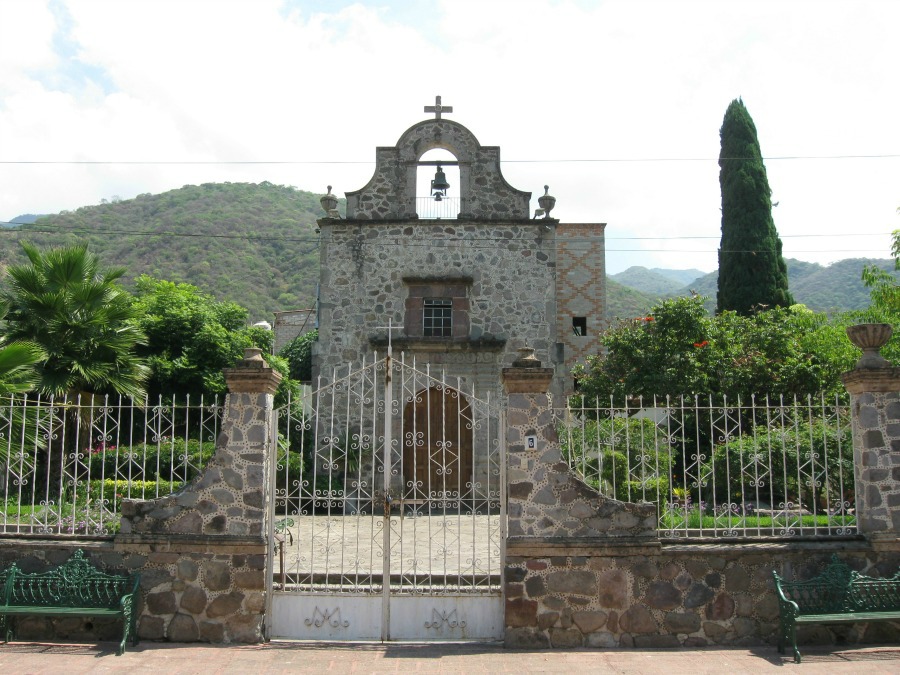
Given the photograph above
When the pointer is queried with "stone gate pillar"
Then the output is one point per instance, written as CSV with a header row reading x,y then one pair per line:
x,y
875,408
557,527
202,551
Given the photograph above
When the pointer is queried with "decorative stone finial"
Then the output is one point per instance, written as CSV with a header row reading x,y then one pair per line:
x,y
253,354
526,359
547,201
871,337
329,202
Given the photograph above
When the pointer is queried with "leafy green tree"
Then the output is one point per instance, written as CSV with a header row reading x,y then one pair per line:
x,y
752,270
883,289
191,337
80,318
298,353
679,349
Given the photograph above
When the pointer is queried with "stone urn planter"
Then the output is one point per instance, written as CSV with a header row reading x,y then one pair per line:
x,y
329,202
871,337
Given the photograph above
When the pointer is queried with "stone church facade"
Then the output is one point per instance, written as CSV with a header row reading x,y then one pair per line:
x,y
462,294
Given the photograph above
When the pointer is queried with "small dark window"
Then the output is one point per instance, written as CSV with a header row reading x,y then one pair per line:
x,y
438,317
579,325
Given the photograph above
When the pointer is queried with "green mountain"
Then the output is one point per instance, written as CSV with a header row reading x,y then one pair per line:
x,y
653,282
623,302
256,245
253,244
837,287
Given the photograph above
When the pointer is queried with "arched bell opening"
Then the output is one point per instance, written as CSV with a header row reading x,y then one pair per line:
x,y
438,185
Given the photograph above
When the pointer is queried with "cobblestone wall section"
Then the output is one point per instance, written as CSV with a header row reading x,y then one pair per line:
x,y
875,401
227,497
545,498
391,192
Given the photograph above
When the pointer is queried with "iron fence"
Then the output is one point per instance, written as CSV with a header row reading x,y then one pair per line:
x,y
67,463
720,467
445,209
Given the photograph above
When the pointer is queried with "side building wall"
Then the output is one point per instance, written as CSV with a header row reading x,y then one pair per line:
x,y
291,324
580,290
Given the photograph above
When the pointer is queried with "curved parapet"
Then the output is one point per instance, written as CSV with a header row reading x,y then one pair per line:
x,y
483,192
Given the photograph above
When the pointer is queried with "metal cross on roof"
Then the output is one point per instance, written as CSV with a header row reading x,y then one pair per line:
x,y
437,108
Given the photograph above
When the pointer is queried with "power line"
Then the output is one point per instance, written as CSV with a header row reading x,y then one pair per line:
x,y
16,228
372,161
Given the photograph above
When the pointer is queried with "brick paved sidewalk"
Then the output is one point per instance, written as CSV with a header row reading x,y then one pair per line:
x,y
285,657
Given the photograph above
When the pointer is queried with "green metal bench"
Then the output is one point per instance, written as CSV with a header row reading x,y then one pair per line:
x,y
75,588
838,595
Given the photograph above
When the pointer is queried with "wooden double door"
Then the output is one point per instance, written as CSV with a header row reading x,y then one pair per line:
x,y
437,445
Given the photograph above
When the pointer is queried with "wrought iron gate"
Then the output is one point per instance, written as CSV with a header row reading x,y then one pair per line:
x,y
389,514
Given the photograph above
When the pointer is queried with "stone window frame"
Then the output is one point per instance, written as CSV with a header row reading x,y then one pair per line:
x,y
454,289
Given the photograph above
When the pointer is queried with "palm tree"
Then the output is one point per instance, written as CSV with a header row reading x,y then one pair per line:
x,y
17,366
80,318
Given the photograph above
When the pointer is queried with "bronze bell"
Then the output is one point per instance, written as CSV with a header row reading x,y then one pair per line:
x,y
439,185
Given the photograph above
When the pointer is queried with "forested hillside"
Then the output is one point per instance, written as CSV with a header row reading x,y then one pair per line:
x,y
835,288
256,245
252,244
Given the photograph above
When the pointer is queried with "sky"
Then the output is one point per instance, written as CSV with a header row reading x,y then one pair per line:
x,y
616,105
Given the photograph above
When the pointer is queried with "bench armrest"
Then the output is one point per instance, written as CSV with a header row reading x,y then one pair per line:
x,y
787,608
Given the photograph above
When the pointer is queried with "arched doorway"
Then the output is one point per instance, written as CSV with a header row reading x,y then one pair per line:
x,y
437,445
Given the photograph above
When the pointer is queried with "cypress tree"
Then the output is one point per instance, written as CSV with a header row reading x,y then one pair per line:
x,y
752,271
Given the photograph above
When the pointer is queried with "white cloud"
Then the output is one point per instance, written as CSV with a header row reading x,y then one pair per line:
x,y
544,79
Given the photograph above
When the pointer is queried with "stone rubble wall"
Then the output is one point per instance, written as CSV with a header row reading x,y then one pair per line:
x,y
512,291
876,451
202,551
673,595
192,589
587,572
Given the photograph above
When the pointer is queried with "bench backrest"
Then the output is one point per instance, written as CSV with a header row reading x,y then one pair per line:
x,y
839,589
76,583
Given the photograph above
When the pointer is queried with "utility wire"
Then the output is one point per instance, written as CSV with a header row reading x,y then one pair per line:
x,y
15,228
505,161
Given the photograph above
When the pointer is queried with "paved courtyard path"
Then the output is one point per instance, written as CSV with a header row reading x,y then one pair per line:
x,y
293,657
439,544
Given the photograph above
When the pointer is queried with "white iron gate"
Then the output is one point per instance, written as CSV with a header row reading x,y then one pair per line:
x,y
389,514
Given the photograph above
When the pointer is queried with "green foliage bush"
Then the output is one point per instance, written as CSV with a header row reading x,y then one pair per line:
x,y
298,353
772,464
114,491
170,460
620,457
678,349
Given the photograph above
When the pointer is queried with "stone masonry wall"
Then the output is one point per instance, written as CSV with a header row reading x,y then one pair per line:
x,y
512,291
227,497
192,588
671,595
545,498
